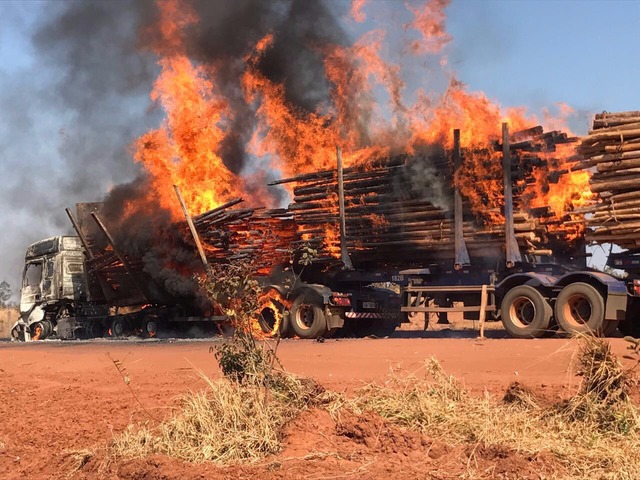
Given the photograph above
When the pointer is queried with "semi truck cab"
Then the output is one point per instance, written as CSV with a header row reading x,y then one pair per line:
x,y
53,279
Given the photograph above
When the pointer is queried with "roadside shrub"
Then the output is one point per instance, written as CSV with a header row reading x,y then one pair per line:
x,y
595,434
603,398
240,417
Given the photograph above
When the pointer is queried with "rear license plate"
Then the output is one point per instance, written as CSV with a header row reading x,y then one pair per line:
x,y
369,305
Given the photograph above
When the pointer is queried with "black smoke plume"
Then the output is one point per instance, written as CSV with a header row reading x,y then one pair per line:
x,y
103,71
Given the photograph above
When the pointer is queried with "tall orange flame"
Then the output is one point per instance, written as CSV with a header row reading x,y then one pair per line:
x,y
185,149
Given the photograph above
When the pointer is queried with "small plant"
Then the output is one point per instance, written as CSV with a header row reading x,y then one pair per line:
x,y
234,289
242,359
240,417
306,254
122,370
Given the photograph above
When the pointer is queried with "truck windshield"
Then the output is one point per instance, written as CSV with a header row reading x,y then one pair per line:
x,y
33,274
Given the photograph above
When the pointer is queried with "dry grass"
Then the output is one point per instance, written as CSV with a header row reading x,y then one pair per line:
x,y
603,398
584,445
596,434
226,423
521,395
77,459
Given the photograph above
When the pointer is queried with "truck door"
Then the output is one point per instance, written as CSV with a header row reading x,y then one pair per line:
x,y
31,291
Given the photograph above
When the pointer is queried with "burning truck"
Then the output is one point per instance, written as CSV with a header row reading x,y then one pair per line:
x,y
467,230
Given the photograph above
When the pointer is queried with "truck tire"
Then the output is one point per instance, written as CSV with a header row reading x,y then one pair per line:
x,y
96,329
119,326
48,328
525,312
580,309
149,326
307,318
16,334
37,331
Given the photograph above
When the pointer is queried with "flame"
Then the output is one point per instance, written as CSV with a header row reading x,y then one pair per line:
x,y
184,150
356,10
298,141
368,114
378,222
429,21
569,192
37,333
332,239
274,303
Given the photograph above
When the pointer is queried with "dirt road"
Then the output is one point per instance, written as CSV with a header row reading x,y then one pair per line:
x,y
58,397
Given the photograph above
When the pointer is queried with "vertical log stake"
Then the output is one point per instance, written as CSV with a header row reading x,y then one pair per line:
x,y
512,251
461,252
192,228
483,309
344,253
82,238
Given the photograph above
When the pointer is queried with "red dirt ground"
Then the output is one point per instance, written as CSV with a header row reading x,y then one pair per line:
x,y
62,397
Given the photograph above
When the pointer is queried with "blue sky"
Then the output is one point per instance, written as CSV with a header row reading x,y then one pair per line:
x,y
520,53
534,53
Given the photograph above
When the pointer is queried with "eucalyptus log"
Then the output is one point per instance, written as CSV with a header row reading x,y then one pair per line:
x,y
606,115
632,182
620,165
622,135
617,128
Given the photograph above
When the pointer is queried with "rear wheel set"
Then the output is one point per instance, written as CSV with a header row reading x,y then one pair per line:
x,y
579,309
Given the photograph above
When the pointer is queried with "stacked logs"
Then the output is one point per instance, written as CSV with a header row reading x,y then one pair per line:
x,y
262,237
612,148
389,220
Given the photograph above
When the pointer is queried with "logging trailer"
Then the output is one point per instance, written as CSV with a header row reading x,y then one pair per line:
x,y
69,293
533,294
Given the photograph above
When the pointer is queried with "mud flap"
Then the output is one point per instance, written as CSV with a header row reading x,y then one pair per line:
x,y
334,320
616,307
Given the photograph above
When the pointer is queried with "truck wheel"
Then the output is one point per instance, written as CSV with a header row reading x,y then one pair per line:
x,y
272,315
268,321
16,333
47,329
150,326
40,330
96,329
307,318
580,309
119,326
525,312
